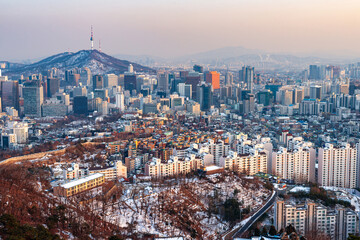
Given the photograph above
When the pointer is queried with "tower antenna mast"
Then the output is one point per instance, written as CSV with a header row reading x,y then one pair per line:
x,y
92,38
99,45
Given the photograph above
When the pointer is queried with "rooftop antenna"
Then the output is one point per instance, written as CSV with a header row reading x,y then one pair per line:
x,y
99,45
92,38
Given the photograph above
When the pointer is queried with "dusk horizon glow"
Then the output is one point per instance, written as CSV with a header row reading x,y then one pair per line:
x,y
175,28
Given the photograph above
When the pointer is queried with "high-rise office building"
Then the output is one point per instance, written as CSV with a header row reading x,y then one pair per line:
x,y
205,96
79,91
130,82
65,98
110,80
298,95
163,82
81,105
329,72
33,99
53,73
67,75
322,72
248,103
265,97
141,81
85,76
176,101
184,74
336,72
101,93
130,68
193,78
285,96
229,79
175,83
309,107
246,75
98,82
225,92
274,89
213,77
172,78
198,68
74,79
314,72
120,101
10,94
315,92
145,91
185,90
45,88
338,166
53,85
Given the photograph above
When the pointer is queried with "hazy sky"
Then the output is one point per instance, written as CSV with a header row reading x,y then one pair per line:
x,y
37,28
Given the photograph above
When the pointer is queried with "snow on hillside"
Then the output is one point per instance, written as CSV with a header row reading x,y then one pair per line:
x,y
98,62
182,208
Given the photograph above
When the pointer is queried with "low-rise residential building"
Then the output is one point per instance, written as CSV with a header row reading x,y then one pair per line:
x,y
79,185
174,166
115,147
111,173
250,163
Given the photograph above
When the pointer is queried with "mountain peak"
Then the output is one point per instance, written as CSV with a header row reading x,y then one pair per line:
x,y
98,62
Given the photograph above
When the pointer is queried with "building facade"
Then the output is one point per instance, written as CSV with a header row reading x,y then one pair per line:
x,y
297,164
172,167
79,185
309,217
338,166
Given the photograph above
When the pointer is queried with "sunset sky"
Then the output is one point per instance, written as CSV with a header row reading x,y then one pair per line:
x,y
39,28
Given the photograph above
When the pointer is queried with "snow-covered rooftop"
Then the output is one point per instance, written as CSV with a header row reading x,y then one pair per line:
x,y
81,180
212,168
300,189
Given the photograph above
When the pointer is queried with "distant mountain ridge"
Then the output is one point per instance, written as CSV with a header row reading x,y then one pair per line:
x,y
260,59
236,57
97,62
222,53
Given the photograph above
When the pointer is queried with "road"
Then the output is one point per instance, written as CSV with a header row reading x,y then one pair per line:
x,y
257,215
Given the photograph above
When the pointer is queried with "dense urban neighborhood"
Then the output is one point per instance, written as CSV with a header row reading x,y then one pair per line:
x,y
148,120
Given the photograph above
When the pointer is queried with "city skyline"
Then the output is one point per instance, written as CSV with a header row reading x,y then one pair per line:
x,y
177,28
224,109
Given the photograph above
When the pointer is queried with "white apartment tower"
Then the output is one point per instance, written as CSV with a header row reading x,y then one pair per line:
x,y
250,163
260,145
308,216
120,101
338,166
218,149
297,164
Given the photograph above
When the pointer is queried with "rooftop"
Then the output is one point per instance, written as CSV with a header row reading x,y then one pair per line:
x,y
81,180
